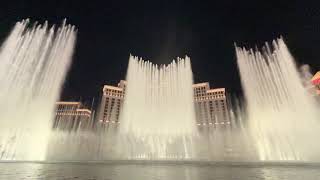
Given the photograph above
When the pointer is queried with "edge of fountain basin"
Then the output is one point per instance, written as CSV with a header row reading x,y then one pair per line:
x,y
173,162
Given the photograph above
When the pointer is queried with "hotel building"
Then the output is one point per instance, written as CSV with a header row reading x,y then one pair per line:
x,y
210,104
71,116
111,102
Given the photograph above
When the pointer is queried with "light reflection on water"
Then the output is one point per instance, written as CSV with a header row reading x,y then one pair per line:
x,y
109,171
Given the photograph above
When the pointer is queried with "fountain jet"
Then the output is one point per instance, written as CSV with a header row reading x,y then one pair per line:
x,y
158,109
34,60
282,115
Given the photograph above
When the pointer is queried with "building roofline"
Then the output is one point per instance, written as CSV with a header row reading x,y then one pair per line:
x,y
200,84
83,110
216,90
68,102
111,87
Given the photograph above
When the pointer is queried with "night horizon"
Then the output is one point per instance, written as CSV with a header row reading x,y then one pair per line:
x,y
108,32
159,90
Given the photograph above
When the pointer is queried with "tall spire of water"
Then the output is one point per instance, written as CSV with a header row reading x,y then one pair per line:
x,y
34,61
282,116
158,107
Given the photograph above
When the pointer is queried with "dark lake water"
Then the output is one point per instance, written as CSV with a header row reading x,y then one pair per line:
x,y
139,171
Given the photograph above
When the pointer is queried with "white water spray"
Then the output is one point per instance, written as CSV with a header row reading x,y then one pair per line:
x,y
33,65
158,107
282,116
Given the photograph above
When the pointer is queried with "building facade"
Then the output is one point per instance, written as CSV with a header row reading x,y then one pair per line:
x,y
111,103
71,116
210,104
316,82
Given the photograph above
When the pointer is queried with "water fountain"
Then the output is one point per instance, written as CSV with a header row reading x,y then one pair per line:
x,y
34,60
158,115
282,118
157,120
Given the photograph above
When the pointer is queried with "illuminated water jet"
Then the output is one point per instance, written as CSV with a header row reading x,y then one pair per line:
x,y
33,65
282,116
158,116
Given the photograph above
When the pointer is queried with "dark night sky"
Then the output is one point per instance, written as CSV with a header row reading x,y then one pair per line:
x,y
108,31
